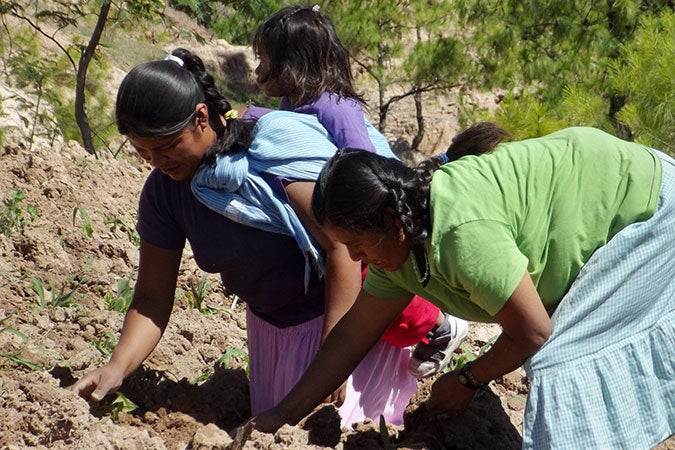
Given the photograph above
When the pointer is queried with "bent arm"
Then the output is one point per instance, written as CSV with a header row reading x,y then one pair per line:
x,y
343,275
349,341
151,307
525,328
144,322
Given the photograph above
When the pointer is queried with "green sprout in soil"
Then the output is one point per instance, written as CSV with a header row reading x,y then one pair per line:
x,y
12,216
113,408
62,297
16,357
226,359
465,354
384,434
105,343
197,295
117,224
86,225
122,299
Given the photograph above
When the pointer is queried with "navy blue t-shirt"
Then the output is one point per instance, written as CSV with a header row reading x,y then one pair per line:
x,y
264,269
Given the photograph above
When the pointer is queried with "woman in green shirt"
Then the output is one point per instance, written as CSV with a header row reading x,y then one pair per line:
x,y
564,240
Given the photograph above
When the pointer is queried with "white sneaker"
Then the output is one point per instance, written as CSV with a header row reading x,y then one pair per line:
x,y
429,359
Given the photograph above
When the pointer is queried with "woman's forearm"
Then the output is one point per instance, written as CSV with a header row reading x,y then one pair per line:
x,y
140,335
526,327
503,357
343,349
343,283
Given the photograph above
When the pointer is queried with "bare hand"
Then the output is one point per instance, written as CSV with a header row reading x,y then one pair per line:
x,y
98,383
268,421
338,397
449,396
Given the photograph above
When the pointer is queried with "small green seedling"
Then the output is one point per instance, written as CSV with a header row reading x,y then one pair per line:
x,y
120,302
16,356
11,214
119,224
466,355
118,405
106,343
197,294
384,434
226,359
203,377
86,225
58,297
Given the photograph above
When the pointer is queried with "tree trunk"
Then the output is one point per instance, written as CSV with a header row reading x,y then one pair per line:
x,y
616,102
417,140
383,106
82,66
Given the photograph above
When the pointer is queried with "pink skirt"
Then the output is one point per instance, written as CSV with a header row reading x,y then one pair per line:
x,y
380,385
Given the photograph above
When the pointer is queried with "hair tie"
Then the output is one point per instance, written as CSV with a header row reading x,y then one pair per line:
x,y
175,59
231,114
444,158
316,8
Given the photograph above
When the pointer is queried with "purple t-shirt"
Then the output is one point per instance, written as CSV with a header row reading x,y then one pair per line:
x,y
264,269
342,117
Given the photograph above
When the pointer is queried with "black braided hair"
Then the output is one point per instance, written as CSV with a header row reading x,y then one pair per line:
x,y
233,137
159,98
355,188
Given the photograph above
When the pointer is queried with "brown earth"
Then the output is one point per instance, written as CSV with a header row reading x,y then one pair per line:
x,y
74,232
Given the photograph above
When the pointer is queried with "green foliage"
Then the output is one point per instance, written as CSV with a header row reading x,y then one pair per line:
x,y
200,10
577,62
438,60
226,359
144,9
240,18
384,434
465,354
645,76
122,299
16,357
566,62
86,222
526,116
66,78
197,294
12,215
114,407
118,224
105,343
61,297
36,74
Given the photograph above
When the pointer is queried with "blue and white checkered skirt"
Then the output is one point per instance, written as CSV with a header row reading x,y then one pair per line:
x,y
605,379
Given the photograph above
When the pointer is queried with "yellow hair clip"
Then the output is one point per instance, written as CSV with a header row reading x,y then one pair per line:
x,y
231,114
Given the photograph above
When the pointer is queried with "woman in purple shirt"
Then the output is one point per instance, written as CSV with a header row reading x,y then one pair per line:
x,y
177,120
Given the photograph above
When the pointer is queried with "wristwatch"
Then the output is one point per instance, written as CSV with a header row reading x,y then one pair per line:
x,y
467,378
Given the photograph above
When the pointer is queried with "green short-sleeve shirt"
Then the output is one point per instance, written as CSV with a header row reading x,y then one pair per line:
x,y
543,205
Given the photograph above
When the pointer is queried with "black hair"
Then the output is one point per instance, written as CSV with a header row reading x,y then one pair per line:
x,y
356,188
304,49
158,99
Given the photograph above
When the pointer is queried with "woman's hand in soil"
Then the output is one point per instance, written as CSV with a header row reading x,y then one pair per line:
x,y
449,396
98,383
269,421
338,396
